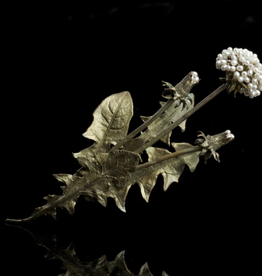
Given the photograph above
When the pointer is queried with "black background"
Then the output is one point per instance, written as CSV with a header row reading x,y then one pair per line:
x,y
60,61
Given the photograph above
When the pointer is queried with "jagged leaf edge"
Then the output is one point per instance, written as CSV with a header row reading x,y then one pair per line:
x,y
108,181
147,189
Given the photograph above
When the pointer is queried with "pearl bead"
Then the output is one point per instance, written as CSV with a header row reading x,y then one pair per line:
x,y
233,68
229,49
194,74
225,53
223,61
249,56
250,73
242,59
256,93
244,74
219,56
246,79
259,87
250,86
240,68
256,71
256,61
234,62
236,74
223,67
255,81
240,79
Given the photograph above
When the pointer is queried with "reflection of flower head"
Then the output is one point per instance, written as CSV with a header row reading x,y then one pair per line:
x,y
243,71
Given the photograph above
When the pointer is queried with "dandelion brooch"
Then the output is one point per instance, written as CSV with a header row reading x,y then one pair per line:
x,y
114,162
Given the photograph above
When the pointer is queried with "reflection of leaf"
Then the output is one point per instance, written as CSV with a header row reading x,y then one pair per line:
x,y
172,114
99,267
73,266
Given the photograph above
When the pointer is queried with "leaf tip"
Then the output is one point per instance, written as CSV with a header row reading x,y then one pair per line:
x,y
120,205
145,196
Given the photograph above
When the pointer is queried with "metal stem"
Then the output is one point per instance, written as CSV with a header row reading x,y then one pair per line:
x,y
184,117
144,125
168,156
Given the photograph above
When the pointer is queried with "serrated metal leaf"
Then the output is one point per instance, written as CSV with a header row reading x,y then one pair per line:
x,y
107,179
170,168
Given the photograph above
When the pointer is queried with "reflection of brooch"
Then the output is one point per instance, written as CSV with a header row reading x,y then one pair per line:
x,y
114,162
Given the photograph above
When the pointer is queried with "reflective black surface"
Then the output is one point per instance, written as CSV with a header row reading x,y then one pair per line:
x,y
177,247
61,62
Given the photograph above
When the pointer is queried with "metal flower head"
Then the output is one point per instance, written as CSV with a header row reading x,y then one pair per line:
x,y
182,90
243,71
211,144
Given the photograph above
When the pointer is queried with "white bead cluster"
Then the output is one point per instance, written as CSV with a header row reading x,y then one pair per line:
x,y
243,70
194,77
